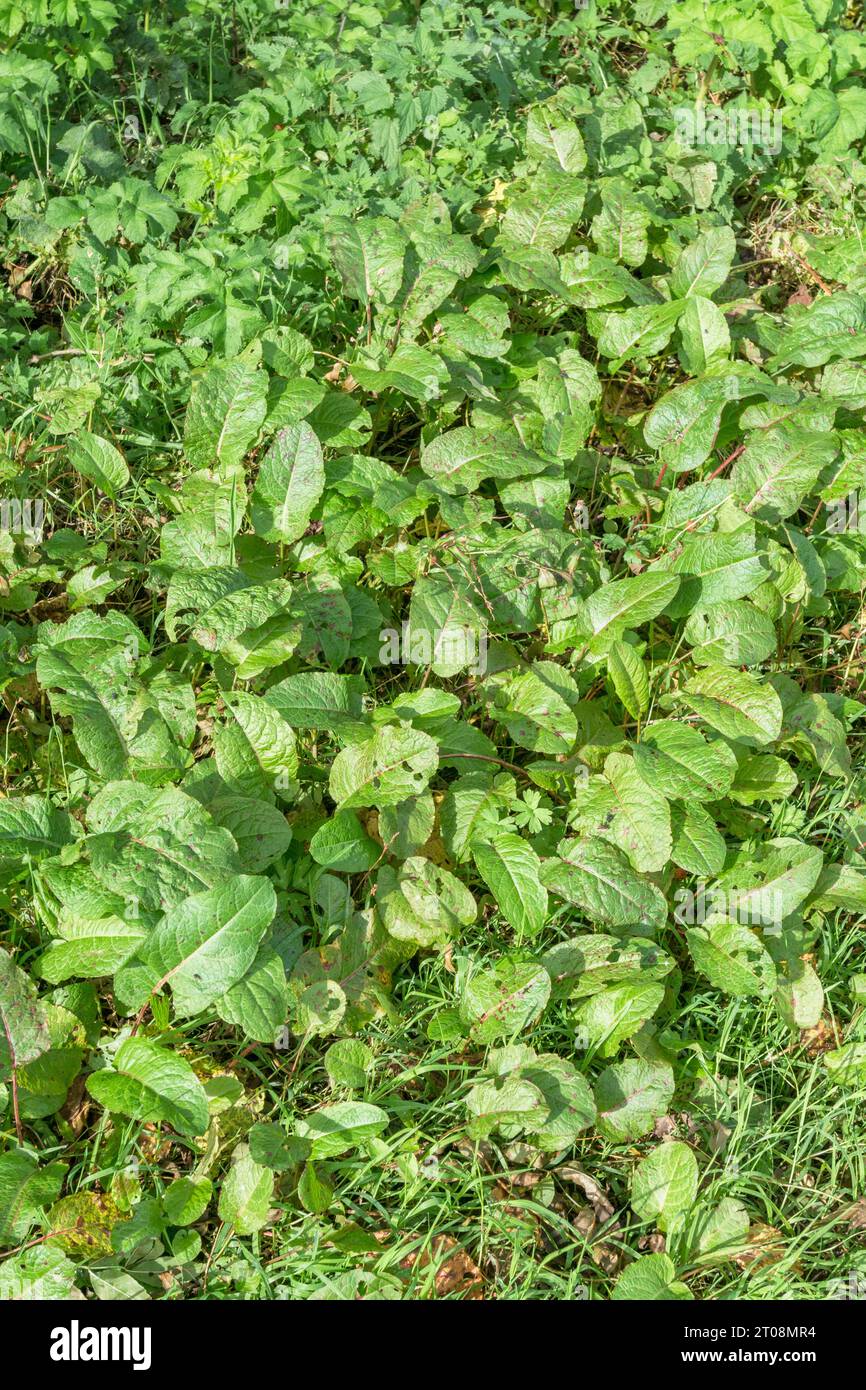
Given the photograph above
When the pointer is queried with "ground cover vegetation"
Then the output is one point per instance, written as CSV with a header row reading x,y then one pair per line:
x,y
432,843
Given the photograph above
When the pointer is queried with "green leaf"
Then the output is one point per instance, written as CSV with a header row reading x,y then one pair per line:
x,y
368,254
202,946
598,878
24,1033
423,903
652,1278
98,461
553,139
724,1231
226,409
703,266
338,1129
341,844
664,1185
629,678
799,996
395,763
732,958
631,1096
245,1196
641,822
347,1063
676,761
319,700
290,482
535,712
731,633
735,703
628,603
462,458
568,1097
510,868
779,468
704,335
259,1001
504,1001
616,1013
153,1085
186,1200
25,1190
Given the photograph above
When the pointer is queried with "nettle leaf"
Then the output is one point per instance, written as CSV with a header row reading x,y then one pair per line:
x,y
290,482
510,868
154,1085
